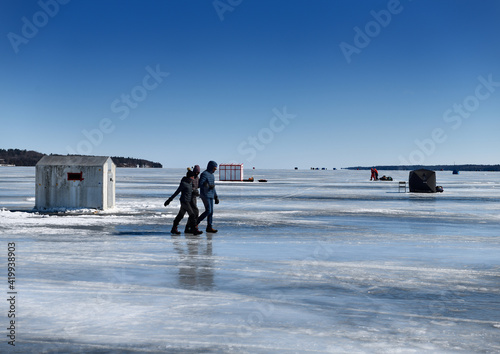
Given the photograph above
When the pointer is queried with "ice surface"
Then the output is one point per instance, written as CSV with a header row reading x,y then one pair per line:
x,y
309,262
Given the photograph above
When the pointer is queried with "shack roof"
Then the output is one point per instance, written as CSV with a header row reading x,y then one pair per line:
x,y
73,160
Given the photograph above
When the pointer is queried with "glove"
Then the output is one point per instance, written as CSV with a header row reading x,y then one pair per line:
x,y
167,202
211,186
216,200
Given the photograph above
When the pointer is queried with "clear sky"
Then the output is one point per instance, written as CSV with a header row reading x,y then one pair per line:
x,y
271,84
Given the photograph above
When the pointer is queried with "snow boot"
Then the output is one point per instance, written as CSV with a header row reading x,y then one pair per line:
x,y
211,230
195,231
188,230
174,231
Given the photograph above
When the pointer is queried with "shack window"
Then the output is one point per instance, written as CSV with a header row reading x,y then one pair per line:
x,y
75,176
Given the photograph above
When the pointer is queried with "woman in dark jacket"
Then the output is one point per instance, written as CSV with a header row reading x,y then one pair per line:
x,y
186,190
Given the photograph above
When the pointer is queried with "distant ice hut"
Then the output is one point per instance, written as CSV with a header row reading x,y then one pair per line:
x,y
75,182
231,172
422,181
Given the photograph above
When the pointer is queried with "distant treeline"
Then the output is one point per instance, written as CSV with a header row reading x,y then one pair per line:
x,y
30,158
431,167
19,157
131,162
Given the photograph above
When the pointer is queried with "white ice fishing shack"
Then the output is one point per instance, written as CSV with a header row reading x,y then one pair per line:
x,y
75,182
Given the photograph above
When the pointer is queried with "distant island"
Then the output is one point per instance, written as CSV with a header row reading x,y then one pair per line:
x,y
16,157
431,167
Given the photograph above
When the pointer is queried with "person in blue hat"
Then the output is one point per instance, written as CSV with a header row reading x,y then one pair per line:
x,y
208,194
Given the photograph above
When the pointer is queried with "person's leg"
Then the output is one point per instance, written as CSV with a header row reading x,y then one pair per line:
x,y
178,219
210,216
192,221
194,206
205,213
210,211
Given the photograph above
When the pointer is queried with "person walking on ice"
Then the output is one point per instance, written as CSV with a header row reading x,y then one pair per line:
x,y
195,195
208,194
186,190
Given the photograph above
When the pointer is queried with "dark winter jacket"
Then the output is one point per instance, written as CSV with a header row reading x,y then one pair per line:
x,y
207,182
186,190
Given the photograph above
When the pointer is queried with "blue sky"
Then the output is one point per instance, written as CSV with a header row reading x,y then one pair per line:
x,y
271,84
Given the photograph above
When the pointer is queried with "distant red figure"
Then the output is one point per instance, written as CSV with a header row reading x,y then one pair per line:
x,y
374,175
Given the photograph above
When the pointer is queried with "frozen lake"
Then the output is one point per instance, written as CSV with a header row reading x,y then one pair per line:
x,y
309,262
